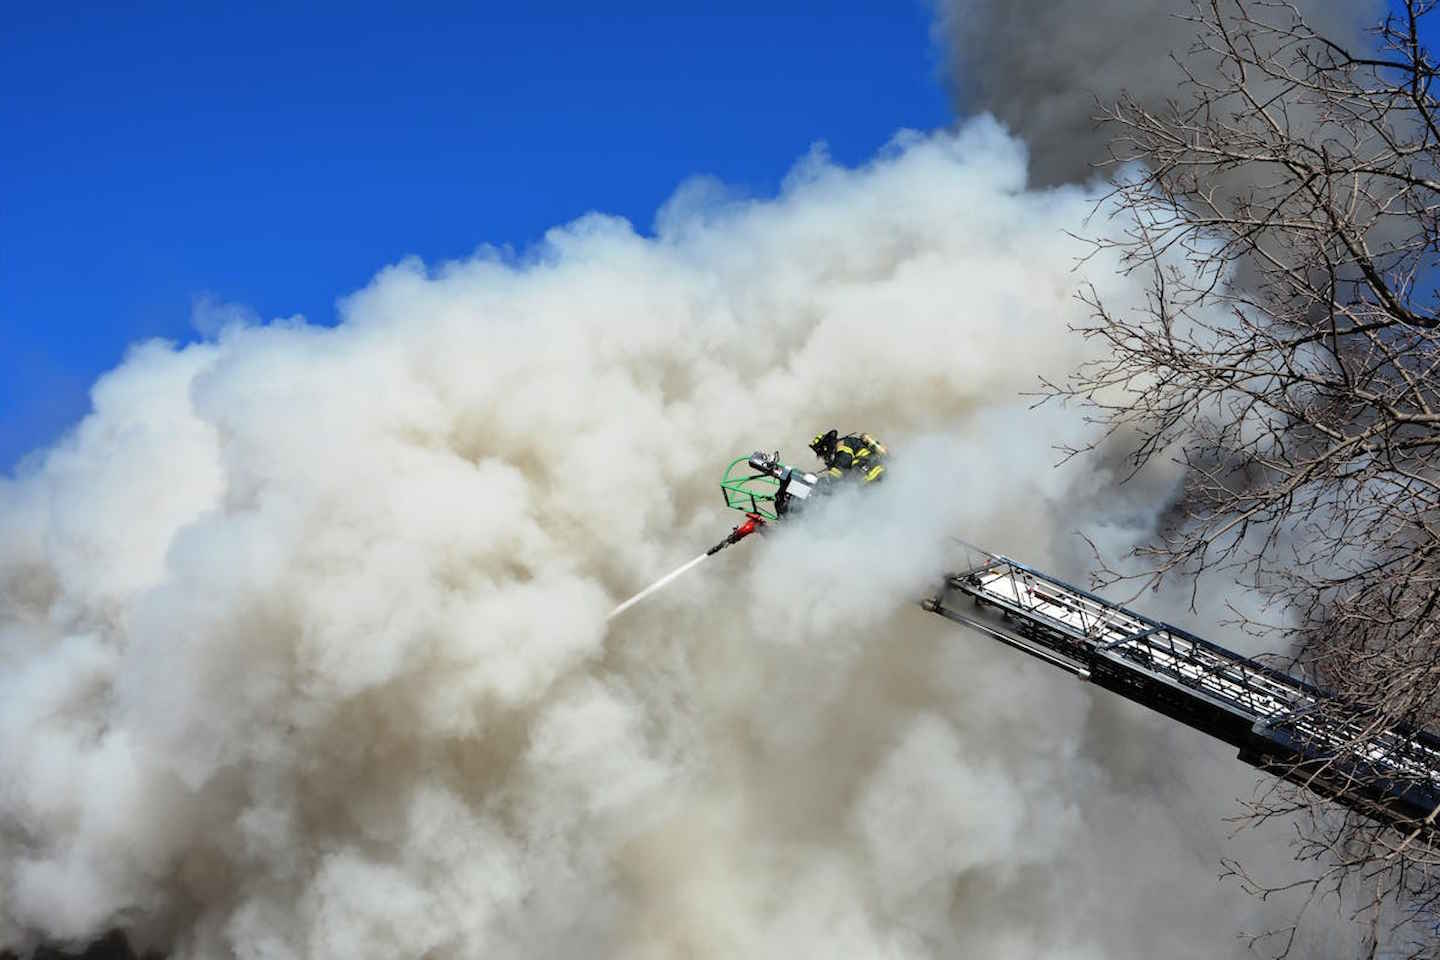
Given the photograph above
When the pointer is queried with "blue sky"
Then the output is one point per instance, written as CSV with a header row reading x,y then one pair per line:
x,y
278,156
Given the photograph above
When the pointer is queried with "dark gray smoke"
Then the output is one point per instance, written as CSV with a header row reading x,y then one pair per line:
x,y
1040,65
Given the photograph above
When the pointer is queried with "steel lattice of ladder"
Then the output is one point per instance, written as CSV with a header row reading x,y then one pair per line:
x,y
1277,721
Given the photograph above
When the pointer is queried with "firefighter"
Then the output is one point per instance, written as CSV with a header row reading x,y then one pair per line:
x,y
858,456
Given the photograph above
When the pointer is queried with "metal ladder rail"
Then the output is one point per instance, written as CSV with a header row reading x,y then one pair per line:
x,y
1138,640
1267,714
1265,693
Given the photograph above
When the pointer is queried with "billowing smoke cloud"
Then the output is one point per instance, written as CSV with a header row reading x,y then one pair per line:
x,y
1046,69
304,640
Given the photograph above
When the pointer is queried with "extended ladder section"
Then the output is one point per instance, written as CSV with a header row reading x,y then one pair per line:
x,y
1279,723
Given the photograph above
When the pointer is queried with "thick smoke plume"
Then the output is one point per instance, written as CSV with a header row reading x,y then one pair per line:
x,y
303,629
1046,69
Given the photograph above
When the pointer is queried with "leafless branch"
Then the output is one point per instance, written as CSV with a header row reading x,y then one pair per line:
x,y
1285,206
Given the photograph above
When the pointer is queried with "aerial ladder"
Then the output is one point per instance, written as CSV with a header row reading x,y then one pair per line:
x,y
1279,723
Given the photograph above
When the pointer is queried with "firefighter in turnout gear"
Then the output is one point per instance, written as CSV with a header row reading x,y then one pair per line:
x,y
858,456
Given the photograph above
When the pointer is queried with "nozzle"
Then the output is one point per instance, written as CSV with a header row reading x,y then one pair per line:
x,y
753,522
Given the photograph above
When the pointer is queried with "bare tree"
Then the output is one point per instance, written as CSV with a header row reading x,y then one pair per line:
x,y
1286,208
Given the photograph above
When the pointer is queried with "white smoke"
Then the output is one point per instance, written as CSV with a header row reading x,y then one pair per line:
x,y
303,629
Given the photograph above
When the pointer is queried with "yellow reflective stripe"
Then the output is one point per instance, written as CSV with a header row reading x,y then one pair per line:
x,y
834,472
862,452
879,469
841,448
